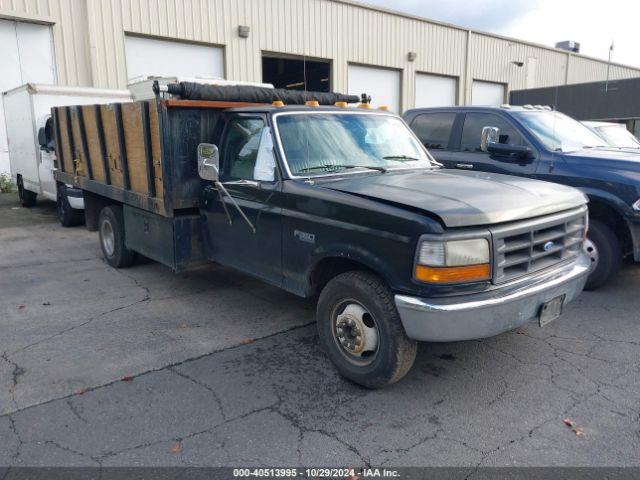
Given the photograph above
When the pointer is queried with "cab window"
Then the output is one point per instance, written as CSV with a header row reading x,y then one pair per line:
x,y
472,131
248,151
434,129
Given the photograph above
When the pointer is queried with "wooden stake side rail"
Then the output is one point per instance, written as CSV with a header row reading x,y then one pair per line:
x,y
141,153
113,150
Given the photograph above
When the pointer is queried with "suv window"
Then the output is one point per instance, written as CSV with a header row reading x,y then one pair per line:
x,y
472,131
434,129
241,148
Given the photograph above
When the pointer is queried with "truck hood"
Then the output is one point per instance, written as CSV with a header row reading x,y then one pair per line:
x,y
463,199
610,158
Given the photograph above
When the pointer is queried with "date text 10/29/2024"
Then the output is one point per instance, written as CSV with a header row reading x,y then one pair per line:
x,y
337,473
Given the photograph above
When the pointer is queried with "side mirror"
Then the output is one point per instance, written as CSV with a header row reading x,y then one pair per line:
x,y
489,135
42,138
208,162
490,143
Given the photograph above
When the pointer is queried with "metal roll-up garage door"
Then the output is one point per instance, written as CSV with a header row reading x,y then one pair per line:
x,y
26,56
381,83
166,58
487,93
435,90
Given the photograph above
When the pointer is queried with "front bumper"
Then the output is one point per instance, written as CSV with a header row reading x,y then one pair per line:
x,y
489,313
75,197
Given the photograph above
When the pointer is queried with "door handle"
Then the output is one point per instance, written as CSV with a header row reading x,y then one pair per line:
x,y
464,166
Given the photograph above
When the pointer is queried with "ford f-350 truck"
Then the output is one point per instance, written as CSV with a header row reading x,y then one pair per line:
x,y
340,203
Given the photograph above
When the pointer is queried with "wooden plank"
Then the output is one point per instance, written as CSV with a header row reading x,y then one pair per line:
x,y
101,144
148,155
94,153
134,144
156,149
84,150
122,149
65,146
56,132
79,166
107,113
208,104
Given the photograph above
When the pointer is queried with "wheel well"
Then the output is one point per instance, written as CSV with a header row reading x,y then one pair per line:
x,y
330,267
599,210
93,205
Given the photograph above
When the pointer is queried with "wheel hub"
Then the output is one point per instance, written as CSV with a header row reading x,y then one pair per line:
x,y
108,238
356,332
592,252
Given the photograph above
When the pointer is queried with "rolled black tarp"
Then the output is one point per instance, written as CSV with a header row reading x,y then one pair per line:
x,y
247,93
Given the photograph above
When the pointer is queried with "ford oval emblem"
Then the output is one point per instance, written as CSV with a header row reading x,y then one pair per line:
x,y
549,246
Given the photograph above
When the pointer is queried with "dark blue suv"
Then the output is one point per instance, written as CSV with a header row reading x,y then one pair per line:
x,y
539,143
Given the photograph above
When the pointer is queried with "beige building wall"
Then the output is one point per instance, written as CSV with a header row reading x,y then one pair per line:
x,y
89,41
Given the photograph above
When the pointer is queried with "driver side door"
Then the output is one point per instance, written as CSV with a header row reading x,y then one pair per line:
x,y
469,156
249,174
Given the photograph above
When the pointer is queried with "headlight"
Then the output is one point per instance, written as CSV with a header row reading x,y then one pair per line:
x,y
636,206
454,261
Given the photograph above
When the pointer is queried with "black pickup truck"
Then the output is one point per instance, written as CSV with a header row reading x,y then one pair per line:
x,y
347,205
538,143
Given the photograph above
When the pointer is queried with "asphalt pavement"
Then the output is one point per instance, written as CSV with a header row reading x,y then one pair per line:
x,y
142,367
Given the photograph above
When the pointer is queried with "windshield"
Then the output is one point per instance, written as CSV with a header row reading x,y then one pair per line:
x,y
618,136
327,142
558,132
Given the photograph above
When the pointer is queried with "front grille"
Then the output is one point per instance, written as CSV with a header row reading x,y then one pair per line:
x,y
533,245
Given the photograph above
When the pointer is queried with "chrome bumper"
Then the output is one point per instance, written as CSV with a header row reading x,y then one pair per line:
x,y
489,313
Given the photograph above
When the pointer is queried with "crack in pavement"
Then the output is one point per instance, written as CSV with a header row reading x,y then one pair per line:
x,y
75,411
207,387
185,437
159,369
12,426
80,325
16,372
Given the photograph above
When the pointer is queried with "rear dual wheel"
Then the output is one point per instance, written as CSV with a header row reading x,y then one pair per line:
x,y
360,328
112,237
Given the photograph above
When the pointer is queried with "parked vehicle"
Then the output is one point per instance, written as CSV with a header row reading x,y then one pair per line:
x,y
538,143
336,202
615,135
31,142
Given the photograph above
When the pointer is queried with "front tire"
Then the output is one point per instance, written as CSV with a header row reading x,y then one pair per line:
x,y
360,328
68,216
603,248
111,232
27,197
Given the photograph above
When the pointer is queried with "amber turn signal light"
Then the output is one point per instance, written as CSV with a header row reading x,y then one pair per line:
x,y
470,273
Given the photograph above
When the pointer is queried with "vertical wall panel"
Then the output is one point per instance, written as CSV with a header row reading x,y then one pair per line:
x,y
89,41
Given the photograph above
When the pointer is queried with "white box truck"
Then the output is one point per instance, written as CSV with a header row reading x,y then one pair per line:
x,y
31,142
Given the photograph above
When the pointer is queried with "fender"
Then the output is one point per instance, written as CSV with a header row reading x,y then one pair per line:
x,y
608,199
355,253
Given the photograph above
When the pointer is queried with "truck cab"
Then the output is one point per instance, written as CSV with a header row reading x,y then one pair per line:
x,y
538,143
347,206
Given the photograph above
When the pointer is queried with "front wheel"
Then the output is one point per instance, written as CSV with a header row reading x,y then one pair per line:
x,y
360,328
603,248
111,231
27,197
68,216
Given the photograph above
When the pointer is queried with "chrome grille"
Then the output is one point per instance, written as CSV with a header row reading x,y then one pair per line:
x,y
533,245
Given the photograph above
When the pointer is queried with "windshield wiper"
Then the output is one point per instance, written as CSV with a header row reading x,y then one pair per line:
x,y
401,158
333,168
